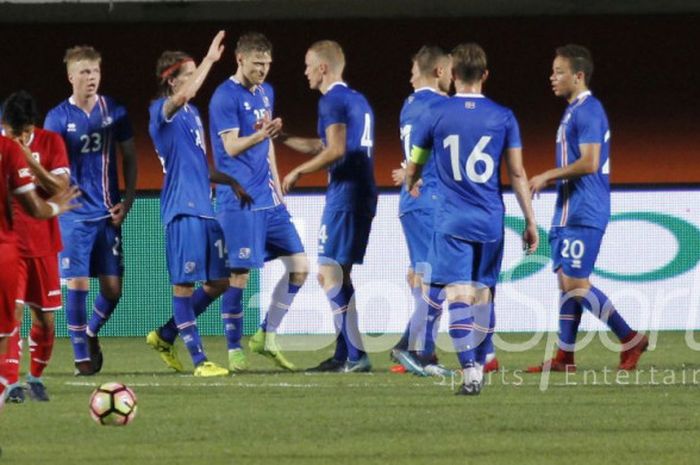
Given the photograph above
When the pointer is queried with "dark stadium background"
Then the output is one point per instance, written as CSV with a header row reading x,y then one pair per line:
x,y
646,74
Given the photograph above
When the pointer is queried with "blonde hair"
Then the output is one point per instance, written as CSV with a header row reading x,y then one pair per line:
x,y
81,52
331,52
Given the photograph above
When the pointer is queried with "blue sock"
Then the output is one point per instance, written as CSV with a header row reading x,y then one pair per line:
x,y
101,312
599,304
570,311
484,324
200,302
76,318
433,299
187,325
352,327
232,316
339,300
461,325
282,298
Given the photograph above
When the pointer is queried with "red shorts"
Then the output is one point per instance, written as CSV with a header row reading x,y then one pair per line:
x,y
39,284
9,263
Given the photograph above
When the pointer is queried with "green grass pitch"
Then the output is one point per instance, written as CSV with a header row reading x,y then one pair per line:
x,y
269,417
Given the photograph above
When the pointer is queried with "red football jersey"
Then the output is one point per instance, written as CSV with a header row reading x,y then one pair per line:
x,y
38,238
15,178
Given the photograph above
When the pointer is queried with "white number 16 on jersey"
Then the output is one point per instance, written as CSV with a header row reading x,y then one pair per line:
x,y
477,154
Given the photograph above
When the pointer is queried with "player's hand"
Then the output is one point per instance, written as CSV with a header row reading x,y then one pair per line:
x,y
216,49
531,238
415,191
118,213
272,128
398,176
290,181
64,199
245,199
537,183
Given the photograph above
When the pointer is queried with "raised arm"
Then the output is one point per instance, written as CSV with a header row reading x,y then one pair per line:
x,y
192,85
518,179
336,136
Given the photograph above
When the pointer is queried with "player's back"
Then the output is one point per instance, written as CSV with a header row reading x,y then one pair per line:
x,y
583,201
412,117
351,185
180,145
90,140
470,134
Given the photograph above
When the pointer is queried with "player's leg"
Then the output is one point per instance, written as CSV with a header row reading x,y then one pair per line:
x,y
107,264
188,254
78,243
9,262
11,360
282,241
487,273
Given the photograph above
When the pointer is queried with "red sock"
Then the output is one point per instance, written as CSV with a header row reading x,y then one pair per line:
x,y
9,363
40,347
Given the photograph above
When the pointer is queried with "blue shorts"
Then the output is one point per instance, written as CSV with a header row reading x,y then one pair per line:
x,y
343,237
575,249
195,250
418,229
452,260
255,237
90,249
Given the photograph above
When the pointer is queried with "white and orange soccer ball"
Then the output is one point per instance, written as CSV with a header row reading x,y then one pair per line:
x,y
113,404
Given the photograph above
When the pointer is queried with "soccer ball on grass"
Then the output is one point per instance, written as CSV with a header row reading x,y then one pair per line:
x,y
113,404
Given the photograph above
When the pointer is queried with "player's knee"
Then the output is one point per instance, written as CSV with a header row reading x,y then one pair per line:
x,y
298,278
411,277
239,278
215,288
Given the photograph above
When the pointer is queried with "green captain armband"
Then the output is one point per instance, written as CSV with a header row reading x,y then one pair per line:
x,y
419,155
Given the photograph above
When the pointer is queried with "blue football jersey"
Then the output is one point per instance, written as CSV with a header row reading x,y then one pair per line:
x,y
468,134
412,115
583,201
351,185
180,145
91,141
234,107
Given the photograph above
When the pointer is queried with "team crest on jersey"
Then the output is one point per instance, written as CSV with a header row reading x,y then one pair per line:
x,y
266,101
107,121
244,253
189,267
71,127
36,157
246,105
469,105
24,173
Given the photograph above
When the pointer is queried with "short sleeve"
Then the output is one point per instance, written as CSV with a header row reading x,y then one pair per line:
x,y
422,131
58,163
53,122
223,112
19,175
331,111
512,132
590,126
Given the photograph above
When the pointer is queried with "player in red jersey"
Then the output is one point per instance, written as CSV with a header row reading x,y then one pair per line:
x,y
16,179
39,241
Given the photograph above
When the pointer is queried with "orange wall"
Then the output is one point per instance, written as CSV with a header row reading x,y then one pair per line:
x,y
644,75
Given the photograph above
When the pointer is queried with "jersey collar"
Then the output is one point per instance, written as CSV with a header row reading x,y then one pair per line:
x,y
252,91
470,95
426,88
582,95
336,83
71,100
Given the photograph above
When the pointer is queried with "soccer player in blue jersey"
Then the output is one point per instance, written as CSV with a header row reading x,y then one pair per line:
x,y
195,240
431,78
582,211
468,135
92,126
241,128
345,148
